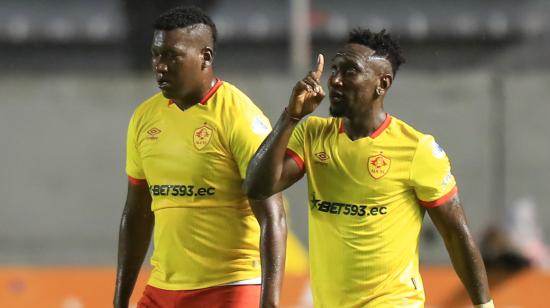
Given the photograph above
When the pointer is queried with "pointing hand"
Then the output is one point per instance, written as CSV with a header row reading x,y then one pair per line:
x,y
307,93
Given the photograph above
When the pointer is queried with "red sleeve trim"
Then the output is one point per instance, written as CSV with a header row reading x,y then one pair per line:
x,y
440,201
138,182
296,158
211,92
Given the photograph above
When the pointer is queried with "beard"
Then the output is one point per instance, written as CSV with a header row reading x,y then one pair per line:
x,y
337,111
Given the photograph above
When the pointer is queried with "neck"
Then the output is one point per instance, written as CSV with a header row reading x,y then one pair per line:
x,y
195,97
363,124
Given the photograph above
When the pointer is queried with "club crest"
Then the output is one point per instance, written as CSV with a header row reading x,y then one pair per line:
x,y
378,166
202,136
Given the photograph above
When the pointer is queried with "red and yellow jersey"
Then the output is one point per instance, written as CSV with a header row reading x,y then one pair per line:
x,y
194,162
365,210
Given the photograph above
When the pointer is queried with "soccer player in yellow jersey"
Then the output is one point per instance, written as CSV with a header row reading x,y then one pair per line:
x,y
371,177
188,149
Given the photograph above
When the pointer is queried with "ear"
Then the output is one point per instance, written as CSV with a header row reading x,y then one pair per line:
x,y
385,82
207,55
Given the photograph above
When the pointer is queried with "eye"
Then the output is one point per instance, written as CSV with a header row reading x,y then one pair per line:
x,y
351,71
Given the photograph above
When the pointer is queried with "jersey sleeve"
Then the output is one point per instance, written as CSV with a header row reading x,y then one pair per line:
x,y
248,132
295,148
134,168
431,176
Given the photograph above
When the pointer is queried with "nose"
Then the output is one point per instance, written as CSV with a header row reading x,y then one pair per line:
x,y
335,80
159,66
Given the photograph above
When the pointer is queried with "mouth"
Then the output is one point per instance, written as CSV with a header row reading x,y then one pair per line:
x,y
336,96
163,84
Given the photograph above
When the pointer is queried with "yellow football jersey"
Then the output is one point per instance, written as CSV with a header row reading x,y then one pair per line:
x,y
194,162
365,210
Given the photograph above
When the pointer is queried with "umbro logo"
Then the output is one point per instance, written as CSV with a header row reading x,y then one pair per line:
x,y
321,158
153,133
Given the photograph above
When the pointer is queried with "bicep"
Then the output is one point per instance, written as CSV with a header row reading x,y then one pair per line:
x,y
449,218
290,174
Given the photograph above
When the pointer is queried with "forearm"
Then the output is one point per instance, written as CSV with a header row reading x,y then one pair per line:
x,y
134,238
272,250
450,221
265,169
469,266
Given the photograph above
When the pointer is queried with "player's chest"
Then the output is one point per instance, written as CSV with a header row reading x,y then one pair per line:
x,y
368,165
180,138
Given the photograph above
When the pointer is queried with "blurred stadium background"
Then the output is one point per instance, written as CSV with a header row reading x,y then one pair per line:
x,y
477,78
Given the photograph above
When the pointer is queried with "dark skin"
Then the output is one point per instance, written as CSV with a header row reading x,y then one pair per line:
x,y
271,216
136,227
182,62
357,86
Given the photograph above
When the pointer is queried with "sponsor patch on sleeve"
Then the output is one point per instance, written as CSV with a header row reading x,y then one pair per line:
x,y
447,180
437,150
259,127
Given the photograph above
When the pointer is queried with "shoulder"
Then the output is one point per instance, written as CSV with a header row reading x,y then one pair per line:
x,y
232,97
150,106
425,144
315,122
234,107
320,125
403,130
238,113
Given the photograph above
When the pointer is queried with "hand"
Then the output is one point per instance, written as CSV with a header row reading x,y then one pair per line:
x,y
307,93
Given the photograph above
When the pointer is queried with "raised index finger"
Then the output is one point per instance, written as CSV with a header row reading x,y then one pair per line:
x,y
319,70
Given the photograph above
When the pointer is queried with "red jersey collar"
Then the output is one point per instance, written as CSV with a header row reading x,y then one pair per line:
x,y
208,95
374,134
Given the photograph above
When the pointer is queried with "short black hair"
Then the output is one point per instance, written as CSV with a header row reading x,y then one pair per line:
x,y
382,43
185,16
